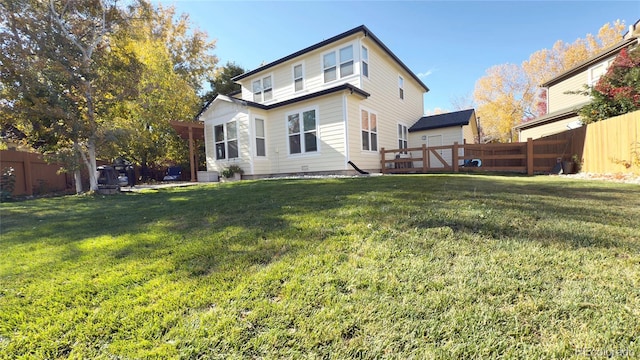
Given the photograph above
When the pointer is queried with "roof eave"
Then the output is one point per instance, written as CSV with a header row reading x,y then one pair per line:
x,y
585,64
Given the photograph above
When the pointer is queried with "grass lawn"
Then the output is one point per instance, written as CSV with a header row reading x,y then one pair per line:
x,y
440,266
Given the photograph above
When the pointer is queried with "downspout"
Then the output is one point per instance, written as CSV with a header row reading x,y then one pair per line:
x,y
346,130
251,138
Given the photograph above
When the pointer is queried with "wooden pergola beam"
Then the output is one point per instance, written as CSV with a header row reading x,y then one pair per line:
x,y
190,131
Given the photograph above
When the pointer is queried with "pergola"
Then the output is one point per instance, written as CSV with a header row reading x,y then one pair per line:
x,y
190,131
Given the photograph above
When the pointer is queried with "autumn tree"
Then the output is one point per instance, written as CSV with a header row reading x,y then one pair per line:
x,y
510,94
58,79
617,92
172,66
82,79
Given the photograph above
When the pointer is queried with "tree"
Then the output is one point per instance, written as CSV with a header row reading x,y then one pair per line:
x,y
221,82
59,79
617,92
87,78
510,94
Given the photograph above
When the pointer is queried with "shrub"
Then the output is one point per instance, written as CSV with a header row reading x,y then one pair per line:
x,y
232,169
7,183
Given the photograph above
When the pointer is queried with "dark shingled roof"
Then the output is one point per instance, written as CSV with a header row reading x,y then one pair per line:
x,y
341,87
457,118
345,34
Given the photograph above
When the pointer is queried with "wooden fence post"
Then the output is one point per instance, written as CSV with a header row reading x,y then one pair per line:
x,y
382,161
425,163
455,157
529,156
28,177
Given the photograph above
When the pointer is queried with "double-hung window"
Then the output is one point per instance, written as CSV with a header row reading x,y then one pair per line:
x,y
226,140
369,131
403,136
401,87
365,61
262,89
298,77
303,132
261,141
338,64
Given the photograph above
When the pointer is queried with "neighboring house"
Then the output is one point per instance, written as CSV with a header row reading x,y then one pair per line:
x,y
444,129
313,111
562,108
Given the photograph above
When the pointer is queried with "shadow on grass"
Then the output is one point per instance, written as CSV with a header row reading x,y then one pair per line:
x,y
205,228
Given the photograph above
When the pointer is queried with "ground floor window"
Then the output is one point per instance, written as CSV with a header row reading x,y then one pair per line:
x,y
261,140
369,121
403,137
226,140
302,132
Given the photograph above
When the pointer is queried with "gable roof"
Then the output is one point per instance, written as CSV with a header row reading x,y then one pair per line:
x,y
457,118
591,61
342,87
339,37
552,117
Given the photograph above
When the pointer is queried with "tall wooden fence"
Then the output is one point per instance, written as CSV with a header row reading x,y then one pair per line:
x,y
613,145
33,174
524,157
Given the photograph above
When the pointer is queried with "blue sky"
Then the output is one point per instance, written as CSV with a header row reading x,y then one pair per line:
x,y
449,44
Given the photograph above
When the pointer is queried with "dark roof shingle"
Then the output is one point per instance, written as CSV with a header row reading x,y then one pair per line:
x,y
457,118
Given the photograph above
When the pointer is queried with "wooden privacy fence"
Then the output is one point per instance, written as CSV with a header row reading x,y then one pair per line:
x,y
524,157
33,174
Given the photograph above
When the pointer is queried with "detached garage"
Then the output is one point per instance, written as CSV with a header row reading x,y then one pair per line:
x,y
444,129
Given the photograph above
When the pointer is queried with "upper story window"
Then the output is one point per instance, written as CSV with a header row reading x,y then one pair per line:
x,y
298,77
262,89
401,87
596,72
369,131
226,140
338,64
302,132
365,61
403,137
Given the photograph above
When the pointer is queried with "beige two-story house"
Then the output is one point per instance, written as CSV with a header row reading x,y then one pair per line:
x,y
314,111
562,106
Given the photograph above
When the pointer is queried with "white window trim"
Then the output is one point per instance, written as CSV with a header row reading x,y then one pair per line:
x,y
261,79
362,61
401,87
255,138
293,75
300,112
369,111
406,128
226,141
336,51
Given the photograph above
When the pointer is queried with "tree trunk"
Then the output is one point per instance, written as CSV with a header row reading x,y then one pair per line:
x,y
92,166
77,177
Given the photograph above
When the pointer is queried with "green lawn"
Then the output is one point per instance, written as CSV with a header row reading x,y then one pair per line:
x,y
446,266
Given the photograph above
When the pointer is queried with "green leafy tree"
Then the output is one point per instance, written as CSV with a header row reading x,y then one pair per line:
x,y
617,92
59,78
222,83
